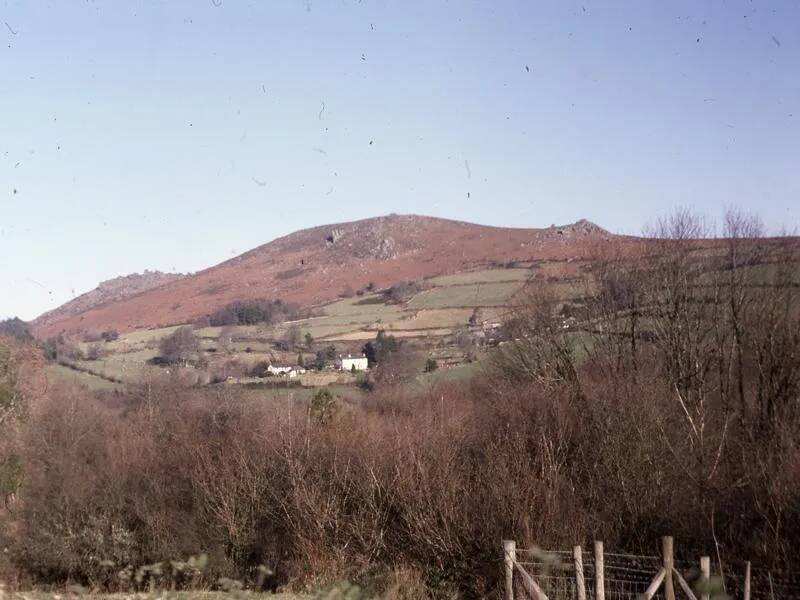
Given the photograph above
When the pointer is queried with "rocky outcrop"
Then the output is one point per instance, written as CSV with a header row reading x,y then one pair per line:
x,y
111,290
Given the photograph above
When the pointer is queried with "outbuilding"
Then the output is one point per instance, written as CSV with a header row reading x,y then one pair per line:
x,y
353,363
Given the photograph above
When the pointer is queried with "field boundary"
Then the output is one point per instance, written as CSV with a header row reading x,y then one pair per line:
x,y
541,575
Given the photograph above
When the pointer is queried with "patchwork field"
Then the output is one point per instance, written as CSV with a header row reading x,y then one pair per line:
x,y
60,373
468,294
445,307
485,276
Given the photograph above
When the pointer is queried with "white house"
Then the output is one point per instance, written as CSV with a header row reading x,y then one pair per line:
x,y
280,370
286,371
350,362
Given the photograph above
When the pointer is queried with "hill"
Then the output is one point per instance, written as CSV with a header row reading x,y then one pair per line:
x,y
317,265
112,290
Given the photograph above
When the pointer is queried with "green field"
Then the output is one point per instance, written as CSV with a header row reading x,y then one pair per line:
x,y
489,294
65,374
350,307
461,372
485,276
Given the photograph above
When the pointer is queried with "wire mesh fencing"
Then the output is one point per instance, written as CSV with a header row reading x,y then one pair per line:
x,y
575,575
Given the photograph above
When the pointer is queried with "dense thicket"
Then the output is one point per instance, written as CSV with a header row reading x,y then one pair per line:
x,y
667,404
252,312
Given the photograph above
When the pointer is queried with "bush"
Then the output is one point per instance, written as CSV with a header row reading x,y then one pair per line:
x,y
292,337
92,336
323,406
16,328
401,292
324,357
180,347
381,349
431,365
110,335
253,312
259,369
95,352
60,349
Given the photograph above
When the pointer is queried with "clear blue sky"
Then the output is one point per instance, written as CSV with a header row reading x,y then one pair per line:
x,y
173,135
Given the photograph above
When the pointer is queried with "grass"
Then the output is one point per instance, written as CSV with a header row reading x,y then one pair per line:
x,y
349,307
485,276
470,295
431,319
142,337
357,336
127,366
92,382
460,372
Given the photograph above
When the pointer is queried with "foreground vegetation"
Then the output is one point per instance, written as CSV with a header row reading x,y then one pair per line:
x,y
663,401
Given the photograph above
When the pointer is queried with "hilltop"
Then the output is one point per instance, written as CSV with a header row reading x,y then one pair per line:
x,y
111,290
314,266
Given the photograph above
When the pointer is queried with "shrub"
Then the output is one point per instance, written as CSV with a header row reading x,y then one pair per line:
x,y
381,349
94,352
92,336
16,328
292,337
324,357
11,399
401,292
110,335
181,346
323,406
431,365
252,312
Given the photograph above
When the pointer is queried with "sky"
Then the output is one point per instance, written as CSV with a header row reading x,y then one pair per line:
x,y
173,135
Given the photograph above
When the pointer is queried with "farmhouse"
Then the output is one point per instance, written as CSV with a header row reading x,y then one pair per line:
x,y
285,371
350,363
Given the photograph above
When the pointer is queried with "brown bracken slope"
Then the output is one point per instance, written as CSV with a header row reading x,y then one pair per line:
x,y
313,266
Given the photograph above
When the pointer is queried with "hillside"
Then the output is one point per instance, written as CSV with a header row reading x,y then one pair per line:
x,y
317,265
112,290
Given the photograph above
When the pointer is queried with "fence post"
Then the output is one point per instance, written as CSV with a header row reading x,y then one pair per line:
x,y
747,580
509,556
705,571
599,576
580,583
669,564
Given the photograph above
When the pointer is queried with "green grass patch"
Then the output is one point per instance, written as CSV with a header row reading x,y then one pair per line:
x,y
92,382
350,307
489,294
484,276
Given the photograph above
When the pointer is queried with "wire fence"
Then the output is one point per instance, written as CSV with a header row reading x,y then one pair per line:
x,y
628,577
765,584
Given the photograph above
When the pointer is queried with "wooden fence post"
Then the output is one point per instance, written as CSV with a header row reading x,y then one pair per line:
x,y
509,556
705,571
580,582
747,580
599,576
669,564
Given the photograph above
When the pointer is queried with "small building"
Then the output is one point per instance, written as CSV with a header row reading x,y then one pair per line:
x,y
279,370
285,371
351,363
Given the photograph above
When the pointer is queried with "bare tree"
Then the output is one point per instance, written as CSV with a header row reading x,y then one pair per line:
x,y
179,347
